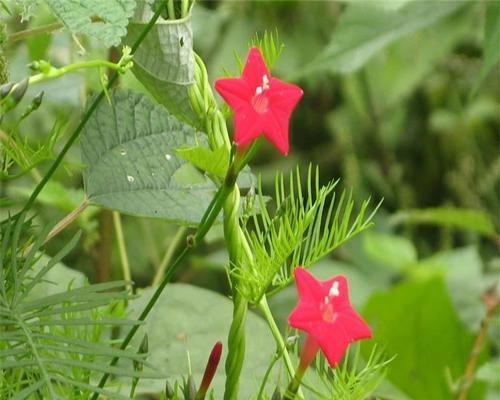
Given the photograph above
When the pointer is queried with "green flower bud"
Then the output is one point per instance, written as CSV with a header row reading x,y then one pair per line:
x,y
5,89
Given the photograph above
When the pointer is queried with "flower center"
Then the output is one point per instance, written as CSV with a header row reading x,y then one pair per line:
x,y
326,307
260,102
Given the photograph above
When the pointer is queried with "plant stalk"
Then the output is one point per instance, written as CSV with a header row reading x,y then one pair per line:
x,y
122,248
167,258
492,302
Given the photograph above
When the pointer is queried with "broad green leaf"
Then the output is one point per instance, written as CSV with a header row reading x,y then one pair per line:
x,y
460,218
490,372
164,63
417,323
391,250
129,149
58,279
462,271
215,162
366,27
491,43
187,319
78,16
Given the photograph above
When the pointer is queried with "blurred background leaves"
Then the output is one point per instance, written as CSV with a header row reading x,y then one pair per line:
x,y
401,103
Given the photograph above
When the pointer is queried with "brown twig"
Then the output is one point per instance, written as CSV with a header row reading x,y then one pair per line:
x,y
49,28
492,302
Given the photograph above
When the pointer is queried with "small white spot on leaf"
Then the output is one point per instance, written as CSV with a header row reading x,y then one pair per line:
x,y
168,157
123,152
130,178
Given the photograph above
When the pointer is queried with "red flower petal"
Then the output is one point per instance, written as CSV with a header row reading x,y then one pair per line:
x,y
325,313
262,104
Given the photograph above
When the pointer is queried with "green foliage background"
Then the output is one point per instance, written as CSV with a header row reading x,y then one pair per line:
x,y
401,103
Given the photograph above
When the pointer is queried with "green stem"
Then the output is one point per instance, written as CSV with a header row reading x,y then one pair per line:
x,y
294,385
122,248
266,311
21,35
270,367
85,119
236,347
167,258
54,73
238,248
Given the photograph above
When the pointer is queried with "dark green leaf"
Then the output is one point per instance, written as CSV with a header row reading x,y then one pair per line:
x,y
129,148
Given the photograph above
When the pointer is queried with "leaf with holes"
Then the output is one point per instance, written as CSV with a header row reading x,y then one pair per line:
x,y
129,149
164,63
104,20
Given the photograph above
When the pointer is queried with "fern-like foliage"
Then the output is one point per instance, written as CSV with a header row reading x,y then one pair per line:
x,y
17,151
300,232
269,45
354,379
54,346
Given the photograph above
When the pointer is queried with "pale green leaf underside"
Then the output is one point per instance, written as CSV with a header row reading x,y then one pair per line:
x,y
215,162
129,149
366,27
164,63
77,16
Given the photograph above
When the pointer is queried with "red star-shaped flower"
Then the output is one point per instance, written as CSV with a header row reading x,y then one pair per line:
x,y
325,313
262,104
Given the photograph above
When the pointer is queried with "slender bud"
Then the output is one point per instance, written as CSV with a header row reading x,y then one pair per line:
x,y
143,350
210,369
37,100
276,394
5,89
190,390
169,391
19,90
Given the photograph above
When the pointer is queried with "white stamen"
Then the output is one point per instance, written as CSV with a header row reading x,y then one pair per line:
x,y
334,290
258,90
265,82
